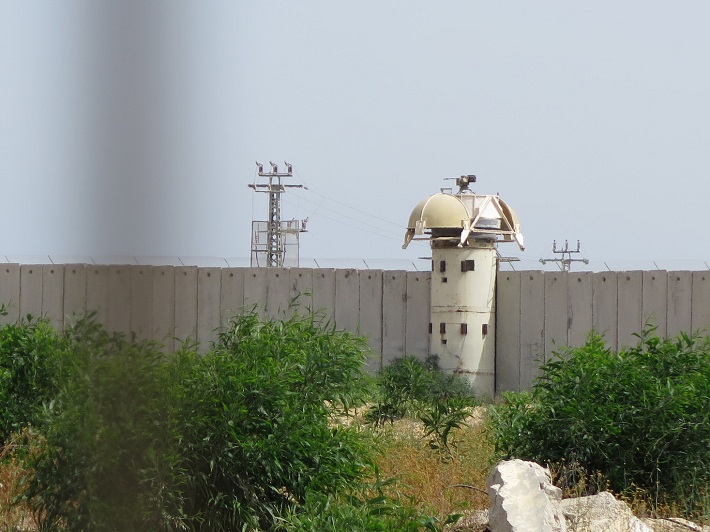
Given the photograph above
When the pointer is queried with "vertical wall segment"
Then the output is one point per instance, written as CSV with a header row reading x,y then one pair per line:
x,y
31,290
533,313
604,306
118,300
10,292
417,324
370,315
579,305
508,317
141,295
679,302
654,304
394,315
163,305
53,294
186,303
630,309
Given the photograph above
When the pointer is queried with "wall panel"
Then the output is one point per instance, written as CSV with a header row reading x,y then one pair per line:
x,y
209,285
278,292
97,291
324,293
10,292
579,307
418,303
654,307
679,302
231,293
555,311
186,303
532,326
53,294
118,302
255,290
630,314
700,302
301,286
370,314
31,290
394,315
141,322
74,291
605,306
163,321
347,299
508,331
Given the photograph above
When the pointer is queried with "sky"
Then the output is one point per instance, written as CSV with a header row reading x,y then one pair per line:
x,y
132,128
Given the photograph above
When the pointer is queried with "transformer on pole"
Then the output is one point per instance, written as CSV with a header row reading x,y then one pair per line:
x,y
275,242
565,260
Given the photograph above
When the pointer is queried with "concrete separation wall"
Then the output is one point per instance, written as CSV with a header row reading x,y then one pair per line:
x,y
541,312
537,312
172,303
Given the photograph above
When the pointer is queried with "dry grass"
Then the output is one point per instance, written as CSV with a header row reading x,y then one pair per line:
x,y
13,517
576,482
438,484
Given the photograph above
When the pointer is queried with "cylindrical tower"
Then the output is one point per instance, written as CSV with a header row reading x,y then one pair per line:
x,y
464,229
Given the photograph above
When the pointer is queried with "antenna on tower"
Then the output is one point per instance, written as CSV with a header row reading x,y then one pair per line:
x,y
272,238
565,260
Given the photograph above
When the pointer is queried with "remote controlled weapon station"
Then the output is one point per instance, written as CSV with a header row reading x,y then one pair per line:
x,y
464,230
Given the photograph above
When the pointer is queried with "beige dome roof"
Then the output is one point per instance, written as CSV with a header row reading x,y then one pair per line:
x,y
439,211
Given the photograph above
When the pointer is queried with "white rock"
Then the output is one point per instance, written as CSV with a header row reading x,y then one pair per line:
x,y
523,499
601,512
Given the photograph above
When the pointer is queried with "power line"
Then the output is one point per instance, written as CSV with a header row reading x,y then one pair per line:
x,y
345,204
340,221
340,214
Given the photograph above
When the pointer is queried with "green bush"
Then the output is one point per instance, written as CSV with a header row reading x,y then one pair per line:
x,y
640,417
409,387
135,439
106,449
257,437
27,361
367,509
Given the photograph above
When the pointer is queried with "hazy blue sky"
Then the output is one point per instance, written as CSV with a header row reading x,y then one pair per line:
x,y
132,128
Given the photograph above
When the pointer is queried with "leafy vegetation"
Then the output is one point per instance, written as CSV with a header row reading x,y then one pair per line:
x,y
249,435
104,453
257,437
27,365
374,507
637,420
266,429
410,387
442,418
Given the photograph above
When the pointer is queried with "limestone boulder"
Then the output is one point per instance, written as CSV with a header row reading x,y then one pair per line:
x,y
601,512
523,499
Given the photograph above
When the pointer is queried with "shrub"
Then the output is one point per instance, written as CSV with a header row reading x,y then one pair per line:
x,y
256,438
27,351
229,440
640,417
104,456
370,509
443,417
408,387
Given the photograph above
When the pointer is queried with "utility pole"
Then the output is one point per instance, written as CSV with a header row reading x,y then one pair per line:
x,y
279,234
565,260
